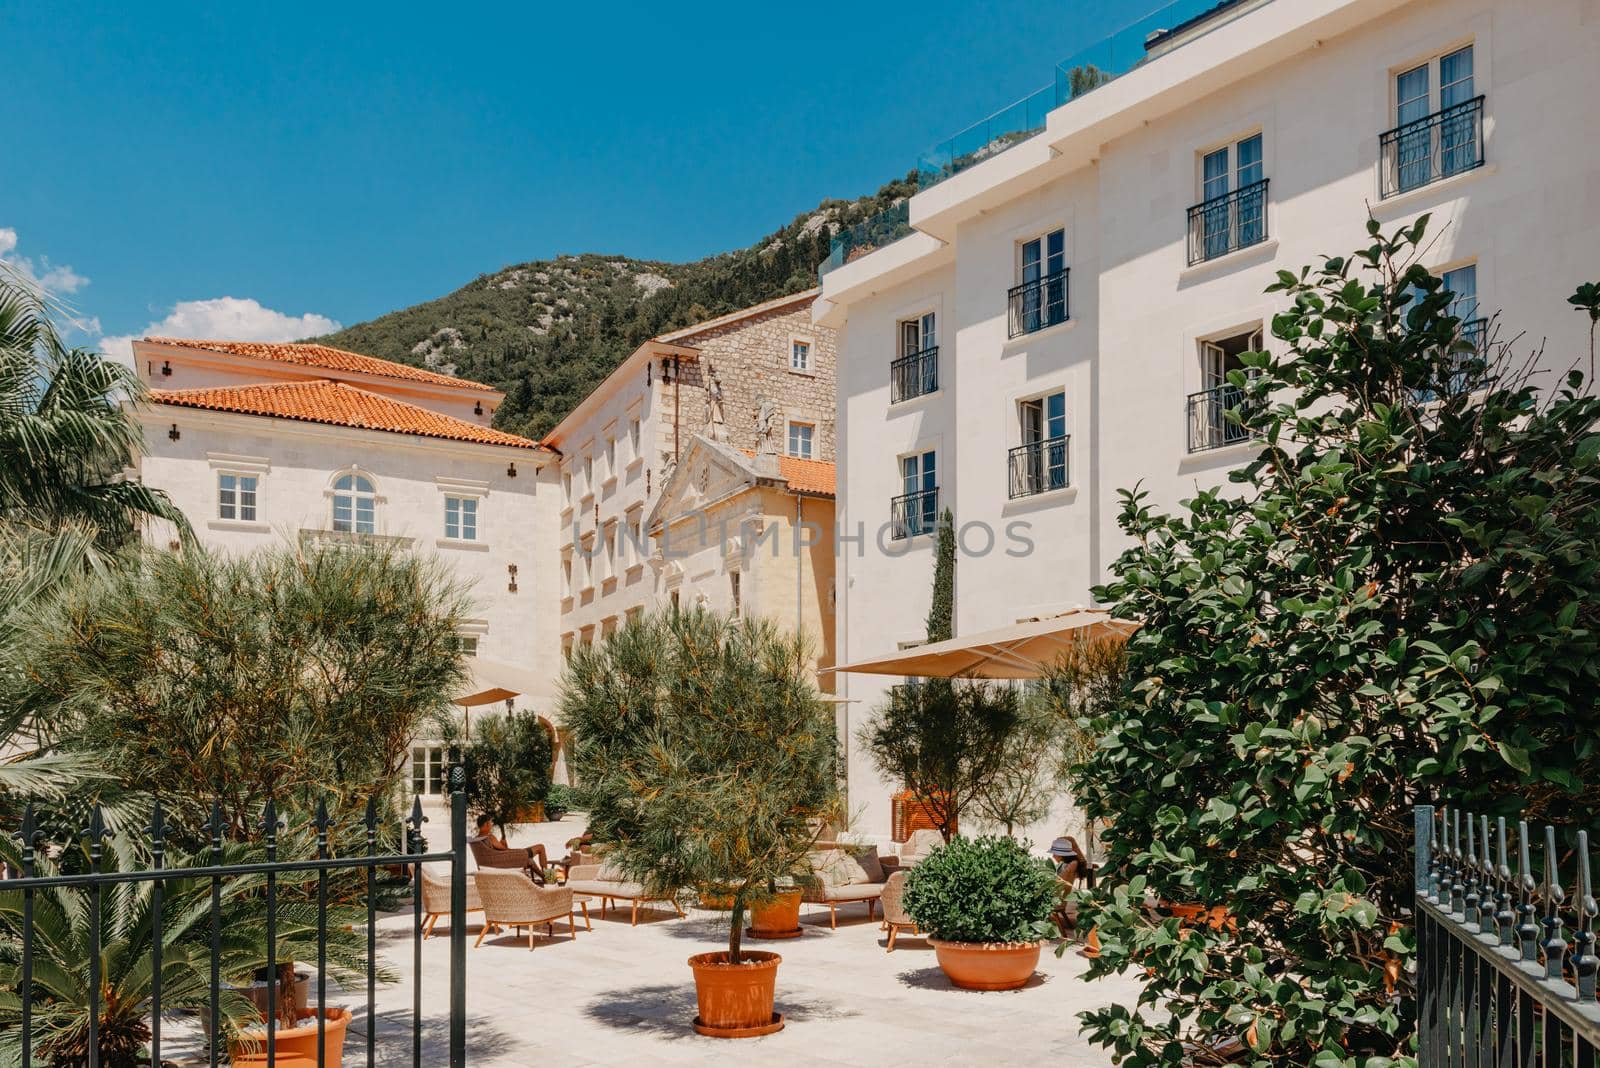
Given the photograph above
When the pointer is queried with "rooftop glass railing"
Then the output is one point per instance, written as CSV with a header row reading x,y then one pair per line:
x,y
884,228
1164,28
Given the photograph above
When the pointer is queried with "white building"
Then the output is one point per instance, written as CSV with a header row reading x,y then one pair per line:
x,y
1062,309
261,444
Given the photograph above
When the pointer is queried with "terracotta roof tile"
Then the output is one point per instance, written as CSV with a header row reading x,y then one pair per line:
x,y
305,354
337,404
805,476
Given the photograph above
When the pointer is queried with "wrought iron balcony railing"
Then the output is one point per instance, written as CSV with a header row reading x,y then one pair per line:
x,y
1449,141
1228,222
1474,333
1209,425
916,513
1038,467
914,375
1037,304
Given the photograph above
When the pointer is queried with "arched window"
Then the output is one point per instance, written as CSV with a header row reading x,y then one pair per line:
x,y
355,505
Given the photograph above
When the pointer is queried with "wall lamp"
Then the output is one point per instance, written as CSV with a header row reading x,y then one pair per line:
x,y
477,409
166,368
511,569
173,433
511,470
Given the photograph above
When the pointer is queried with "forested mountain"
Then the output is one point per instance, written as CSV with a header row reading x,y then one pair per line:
x,y
547,332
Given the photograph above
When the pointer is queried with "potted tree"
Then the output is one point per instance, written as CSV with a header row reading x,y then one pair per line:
x,y
709,765
508,769
985,905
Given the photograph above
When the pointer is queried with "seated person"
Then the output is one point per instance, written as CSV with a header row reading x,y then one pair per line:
x,y
491,851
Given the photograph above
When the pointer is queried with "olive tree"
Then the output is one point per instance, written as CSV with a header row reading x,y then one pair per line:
x,y
1396,601
707,759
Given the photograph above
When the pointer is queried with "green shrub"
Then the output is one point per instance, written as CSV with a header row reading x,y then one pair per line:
x,y
508,767
1396,600
561,799
983,890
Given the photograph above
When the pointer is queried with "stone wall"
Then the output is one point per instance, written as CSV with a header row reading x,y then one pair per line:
x,y
749,359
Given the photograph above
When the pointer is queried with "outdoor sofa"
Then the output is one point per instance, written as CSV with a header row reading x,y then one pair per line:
x,y
844,875
608,884
511,899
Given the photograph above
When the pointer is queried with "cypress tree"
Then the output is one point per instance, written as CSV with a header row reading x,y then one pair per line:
x,y
941,613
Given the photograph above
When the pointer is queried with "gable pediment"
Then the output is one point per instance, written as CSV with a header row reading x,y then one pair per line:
x,y
708,473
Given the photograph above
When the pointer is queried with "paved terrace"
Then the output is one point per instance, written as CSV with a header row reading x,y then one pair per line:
x,y
624,995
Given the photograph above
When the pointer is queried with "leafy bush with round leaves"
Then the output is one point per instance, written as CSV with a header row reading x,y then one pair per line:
x,y
982,890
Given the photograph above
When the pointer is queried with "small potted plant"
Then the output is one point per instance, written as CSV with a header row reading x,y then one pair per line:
x,y
985,905
708,762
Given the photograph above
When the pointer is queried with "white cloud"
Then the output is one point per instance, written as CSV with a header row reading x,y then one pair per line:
x,y
56,281
232,318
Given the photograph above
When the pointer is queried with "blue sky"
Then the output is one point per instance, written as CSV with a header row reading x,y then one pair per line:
x,y
275,169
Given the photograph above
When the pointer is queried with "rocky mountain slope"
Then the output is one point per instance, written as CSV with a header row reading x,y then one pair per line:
x,y
549,331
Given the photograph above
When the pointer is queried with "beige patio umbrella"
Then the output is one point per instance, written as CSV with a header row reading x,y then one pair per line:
x,y
1020,651
487,682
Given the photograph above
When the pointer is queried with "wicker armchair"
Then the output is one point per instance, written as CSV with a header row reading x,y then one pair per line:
x,y
895,918
512,899
436,898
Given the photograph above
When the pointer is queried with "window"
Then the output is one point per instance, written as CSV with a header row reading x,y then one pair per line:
x,y
236,497
461,518
1040,297
672,599
611,457
1461,285
611,555
466,644
734,591
588,475
1040,462
1438,123
566,488
915,370
916,510
566,646
1210,426
800,438
355,505
427,770
799,355
1232,210
636,551
633,439
566,575
634,615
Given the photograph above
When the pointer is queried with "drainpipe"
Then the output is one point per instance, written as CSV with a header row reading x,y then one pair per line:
x,y
800,561
677,375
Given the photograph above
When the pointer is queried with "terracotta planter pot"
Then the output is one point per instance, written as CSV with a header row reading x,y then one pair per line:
x,y
987,965
297,1043
719,902
779,917
736,999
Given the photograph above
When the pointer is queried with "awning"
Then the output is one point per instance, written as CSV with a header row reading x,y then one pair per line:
x,y
1020,651
489,681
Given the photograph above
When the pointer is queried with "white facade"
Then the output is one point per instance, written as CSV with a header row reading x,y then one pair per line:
x,y
1115,172
248,481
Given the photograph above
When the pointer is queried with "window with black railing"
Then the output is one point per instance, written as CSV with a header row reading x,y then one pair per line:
x,y
1039,303
914,375
1434,147
1213,418
1228,222
911,514
1038,467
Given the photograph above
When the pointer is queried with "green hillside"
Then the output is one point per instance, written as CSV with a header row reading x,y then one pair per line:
x,y
547,332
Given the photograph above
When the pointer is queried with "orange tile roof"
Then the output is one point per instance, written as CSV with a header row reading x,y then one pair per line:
x,y
304,354
807,476
337,404
804,476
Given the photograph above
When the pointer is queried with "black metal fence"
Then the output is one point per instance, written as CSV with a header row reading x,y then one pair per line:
x,y
914,374
235,882
1500,981
1037,304
1038,467
1450,141
1228,222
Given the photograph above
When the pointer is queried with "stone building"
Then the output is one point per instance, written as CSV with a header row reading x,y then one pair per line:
x,y
622,444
